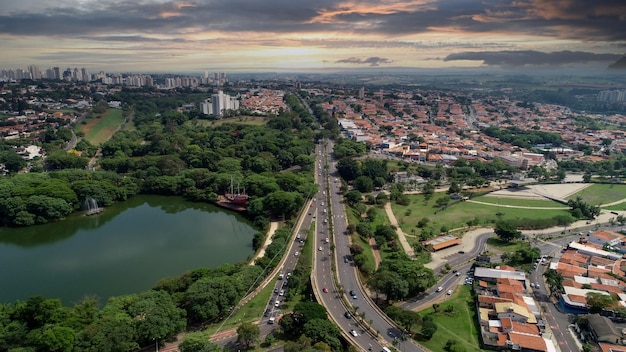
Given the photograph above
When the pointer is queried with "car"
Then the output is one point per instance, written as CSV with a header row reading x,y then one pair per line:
x,y
327,240
319,249
271,320
325,221
537,285
281,293
353,294
276,290
532,285
346,260
266,313
277,303
461,252
289,274
296,253
353,333
458,273
439,289
347,315
449,292
325,290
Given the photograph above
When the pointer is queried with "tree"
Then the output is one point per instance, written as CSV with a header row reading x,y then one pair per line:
x,y
554,280
364,184
428,327
323,330
156,316
55,338
598,301
198,342
248,333
352,197
507,231
310,310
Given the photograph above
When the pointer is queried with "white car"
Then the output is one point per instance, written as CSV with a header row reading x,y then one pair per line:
x,y
353,333
277,303
439,289
296,253
281,293
327,240
319,249
449,292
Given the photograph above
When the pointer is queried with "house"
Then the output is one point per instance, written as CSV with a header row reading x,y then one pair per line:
x,y
603,330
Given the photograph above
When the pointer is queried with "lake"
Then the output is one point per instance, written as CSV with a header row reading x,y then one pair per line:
x,y
125,249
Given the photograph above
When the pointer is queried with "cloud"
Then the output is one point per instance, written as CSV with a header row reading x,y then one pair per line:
x,y
532,58
600,20
372,61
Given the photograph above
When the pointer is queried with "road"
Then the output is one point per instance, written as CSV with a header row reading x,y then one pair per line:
x,y
461,263
330,200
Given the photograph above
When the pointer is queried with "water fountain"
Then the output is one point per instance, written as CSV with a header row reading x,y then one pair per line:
x,y
91,205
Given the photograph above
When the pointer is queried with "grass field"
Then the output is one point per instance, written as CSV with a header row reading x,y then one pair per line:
x,y
520,202
458,214
460,325
604,193
98,130
246,120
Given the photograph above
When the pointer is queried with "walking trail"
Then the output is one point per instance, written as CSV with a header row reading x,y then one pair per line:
x,y
268,241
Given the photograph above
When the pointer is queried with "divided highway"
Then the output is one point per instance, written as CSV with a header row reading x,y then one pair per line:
x,y
330,208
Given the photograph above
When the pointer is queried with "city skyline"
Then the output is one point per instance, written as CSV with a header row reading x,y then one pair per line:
x,y
280,35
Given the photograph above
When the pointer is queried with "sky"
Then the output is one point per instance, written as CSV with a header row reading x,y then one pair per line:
x,y
301,35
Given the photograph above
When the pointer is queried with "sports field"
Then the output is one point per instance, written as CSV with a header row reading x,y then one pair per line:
x,y
98,130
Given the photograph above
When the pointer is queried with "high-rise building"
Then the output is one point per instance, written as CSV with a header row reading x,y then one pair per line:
x,y
361,92
57,73
221,102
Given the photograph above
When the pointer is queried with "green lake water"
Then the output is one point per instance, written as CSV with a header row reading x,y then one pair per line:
x,y
125,249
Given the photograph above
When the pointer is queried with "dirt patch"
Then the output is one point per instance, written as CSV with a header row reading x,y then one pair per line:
x,y
560,191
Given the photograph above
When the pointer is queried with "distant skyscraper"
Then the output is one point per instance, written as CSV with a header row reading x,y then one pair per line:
x,y
57,73
361,92
86,76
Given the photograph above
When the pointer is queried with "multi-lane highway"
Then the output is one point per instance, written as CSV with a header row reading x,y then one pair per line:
x,y
338,299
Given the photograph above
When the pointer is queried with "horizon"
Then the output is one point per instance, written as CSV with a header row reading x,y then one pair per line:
x,y
298,36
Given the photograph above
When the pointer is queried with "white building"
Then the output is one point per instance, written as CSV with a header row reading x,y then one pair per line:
x,y
221,102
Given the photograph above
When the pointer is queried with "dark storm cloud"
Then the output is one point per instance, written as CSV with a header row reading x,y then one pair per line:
x,y
598,20
532,58
372,61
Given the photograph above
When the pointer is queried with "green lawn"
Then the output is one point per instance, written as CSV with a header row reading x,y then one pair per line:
x,y
250,311
356,239
458,214
604,193
246,120
520,202
505,246
460,325
100,129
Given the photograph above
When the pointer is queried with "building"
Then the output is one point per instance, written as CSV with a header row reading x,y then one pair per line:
x,y
221,102
441,242
603,330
